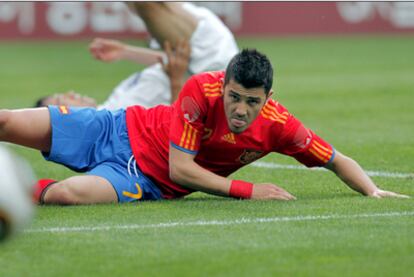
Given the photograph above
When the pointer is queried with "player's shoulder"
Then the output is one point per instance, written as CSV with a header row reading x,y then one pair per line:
x,y
274,112
210,83
209,77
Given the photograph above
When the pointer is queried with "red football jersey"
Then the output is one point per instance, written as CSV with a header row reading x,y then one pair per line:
x,y
196,124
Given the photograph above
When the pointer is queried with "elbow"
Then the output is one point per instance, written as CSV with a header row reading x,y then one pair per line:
x,y
177,174
338,162
173,174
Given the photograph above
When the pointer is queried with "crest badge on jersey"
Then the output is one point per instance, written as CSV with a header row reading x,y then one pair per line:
x,y
249,156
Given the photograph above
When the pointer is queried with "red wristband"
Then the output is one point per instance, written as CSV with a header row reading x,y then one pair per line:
x,y
241,189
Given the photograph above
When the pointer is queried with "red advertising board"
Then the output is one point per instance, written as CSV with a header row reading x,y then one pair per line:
x,y
333,17
48,20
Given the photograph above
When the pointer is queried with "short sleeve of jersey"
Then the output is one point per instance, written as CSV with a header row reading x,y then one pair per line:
x,y
304,145
187,123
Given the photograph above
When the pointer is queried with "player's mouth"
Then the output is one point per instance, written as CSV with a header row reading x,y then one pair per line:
x,y
238,123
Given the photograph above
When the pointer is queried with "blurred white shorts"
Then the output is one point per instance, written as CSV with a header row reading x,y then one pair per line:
x,y
147,88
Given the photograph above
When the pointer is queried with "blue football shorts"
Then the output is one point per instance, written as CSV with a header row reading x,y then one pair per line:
x,y
96,142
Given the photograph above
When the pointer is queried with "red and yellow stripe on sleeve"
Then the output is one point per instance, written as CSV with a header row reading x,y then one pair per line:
x,y
323,153
188,137
270,112
212,89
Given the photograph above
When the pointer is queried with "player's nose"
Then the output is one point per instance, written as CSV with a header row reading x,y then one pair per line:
x,y
241,109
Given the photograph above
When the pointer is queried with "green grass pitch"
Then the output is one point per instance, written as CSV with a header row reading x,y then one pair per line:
x,y
356,92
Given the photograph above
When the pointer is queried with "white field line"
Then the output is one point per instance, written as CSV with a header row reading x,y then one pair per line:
x,y
299,167
214,222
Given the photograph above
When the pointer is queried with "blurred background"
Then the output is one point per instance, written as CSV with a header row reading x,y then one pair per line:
x,y
71,20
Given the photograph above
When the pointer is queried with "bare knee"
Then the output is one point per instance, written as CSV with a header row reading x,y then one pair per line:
x,y
81,190
61,193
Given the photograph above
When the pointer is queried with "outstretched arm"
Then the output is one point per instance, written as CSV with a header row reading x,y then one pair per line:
x,y
174,60
109,50
351,173
184,171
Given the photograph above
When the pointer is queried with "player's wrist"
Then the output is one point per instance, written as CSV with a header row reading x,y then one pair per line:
x,y
241,189
371,192
126,52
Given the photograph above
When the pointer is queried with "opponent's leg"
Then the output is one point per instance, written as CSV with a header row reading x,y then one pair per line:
x,y
80,190
27,127
166,21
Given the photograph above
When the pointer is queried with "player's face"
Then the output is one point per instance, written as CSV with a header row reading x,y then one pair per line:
x,y
69,99
242,105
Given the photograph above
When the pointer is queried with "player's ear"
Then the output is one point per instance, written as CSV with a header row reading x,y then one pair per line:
x,y
222,85
269,95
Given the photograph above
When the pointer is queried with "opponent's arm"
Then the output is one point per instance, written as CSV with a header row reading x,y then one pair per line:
x,y
186,172
109,50
177,65
351,173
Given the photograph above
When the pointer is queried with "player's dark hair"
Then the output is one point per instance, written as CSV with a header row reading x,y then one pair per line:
x,y
251,69
39,102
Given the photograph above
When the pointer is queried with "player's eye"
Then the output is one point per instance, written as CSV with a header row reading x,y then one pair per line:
x,y
252,102
234,97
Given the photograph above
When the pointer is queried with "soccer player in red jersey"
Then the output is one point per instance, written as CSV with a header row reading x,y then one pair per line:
x,y
220,122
